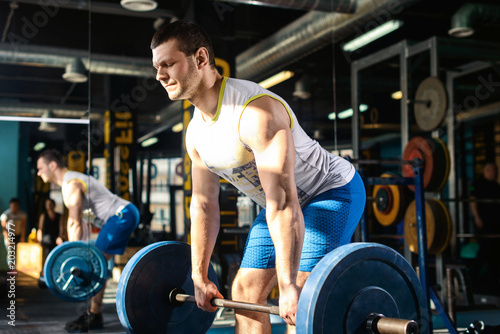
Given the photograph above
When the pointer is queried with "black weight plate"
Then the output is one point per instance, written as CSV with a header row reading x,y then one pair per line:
x,y
352,282
145,283
90,262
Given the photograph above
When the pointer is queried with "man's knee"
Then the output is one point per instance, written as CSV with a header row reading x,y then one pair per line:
x,y
249,286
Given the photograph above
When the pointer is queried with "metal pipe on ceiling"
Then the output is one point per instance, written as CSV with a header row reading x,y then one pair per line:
x,y
341,6
310,33
31,55
465,18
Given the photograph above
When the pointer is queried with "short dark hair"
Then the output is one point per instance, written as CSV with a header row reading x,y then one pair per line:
x,y
14,200
190,37
53,155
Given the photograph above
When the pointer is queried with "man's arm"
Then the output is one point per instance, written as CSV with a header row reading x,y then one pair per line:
x,y
23,229
205,224
475,212
4,229
39,232
265,128
75,203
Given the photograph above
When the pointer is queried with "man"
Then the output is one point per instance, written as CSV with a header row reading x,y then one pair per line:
x,y
486,222
116,217
14,219
311,199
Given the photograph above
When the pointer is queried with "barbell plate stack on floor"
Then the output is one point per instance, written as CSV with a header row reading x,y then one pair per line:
x,y
354,281
75,271
142,294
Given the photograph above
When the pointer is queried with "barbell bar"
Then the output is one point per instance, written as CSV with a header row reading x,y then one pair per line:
x,y
375,323
347,286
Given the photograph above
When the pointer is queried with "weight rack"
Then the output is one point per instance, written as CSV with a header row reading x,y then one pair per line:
x,y
417,181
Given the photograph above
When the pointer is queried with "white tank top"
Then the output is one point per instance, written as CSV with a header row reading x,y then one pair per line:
x,y
99,199
219,145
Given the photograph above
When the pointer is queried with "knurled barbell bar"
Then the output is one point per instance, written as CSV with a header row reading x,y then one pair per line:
x,y
342,294
375,323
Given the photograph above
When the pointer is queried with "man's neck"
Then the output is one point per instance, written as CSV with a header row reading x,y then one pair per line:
x,y
59,176
208,97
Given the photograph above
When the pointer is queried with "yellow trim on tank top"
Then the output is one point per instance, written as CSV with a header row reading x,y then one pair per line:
x,y
82,182
253,98
219,101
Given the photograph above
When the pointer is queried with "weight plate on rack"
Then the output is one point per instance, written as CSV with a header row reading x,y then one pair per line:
x,y
430,104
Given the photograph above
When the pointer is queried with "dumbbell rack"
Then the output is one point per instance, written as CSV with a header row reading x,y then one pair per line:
x,y
417,182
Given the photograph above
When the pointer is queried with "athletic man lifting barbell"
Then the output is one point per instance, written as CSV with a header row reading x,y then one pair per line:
x,y
118,219
311,200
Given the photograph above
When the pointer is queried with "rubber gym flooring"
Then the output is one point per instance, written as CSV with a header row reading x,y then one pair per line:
x,y
39,311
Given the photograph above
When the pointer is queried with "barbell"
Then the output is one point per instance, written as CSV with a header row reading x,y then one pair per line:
x,y
357,288
75,271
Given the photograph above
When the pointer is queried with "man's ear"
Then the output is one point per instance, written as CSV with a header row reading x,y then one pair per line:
x,y
201,57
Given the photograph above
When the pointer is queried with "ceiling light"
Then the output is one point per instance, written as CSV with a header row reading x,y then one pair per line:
x,y
276,79
302,88
397,95
139,5
149,142
75,71
45,126
178,127
372,35
348,112
39,146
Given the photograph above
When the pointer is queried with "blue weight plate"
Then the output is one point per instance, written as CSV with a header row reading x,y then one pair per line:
x,y
354,281
145,283
89,260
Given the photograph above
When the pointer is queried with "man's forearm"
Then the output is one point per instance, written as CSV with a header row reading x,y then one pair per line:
x,y
204,230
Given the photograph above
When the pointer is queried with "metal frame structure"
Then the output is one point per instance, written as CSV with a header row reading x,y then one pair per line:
x,y
469,51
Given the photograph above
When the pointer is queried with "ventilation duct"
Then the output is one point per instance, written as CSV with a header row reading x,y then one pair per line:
x,y
341,6
310,33
61,57
463,21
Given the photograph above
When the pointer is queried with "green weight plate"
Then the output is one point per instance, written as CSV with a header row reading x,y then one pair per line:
x,y
75,271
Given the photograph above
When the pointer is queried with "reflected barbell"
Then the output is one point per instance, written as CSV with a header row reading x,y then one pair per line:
x,y
75,271
357,288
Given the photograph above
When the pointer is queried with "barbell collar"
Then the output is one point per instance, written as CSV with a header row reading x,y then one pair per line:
x,y
379,324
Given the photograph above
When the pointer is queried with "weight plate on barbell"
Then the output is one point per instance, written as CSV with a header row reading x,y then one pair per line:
x,y
355,280
85,261
430,104
142,294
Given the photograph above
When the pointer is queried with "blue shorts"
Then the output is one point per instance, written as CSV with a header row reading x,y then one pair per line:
x,y
330,220
115,234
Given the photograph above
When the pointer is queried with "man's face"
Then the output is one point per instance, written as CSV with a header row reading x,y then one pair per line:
x,y
490,172
176,72
43,170
14,207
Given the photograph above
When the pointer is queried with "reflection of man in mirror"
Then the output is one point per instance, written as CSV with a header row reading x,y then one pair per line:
x,y
50,228
487,223
117,218
14,219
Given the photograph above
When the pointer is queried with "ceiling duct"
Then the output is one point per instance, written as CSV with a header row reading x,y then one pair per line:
x,y
464,19
310,33
341,6
61,57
